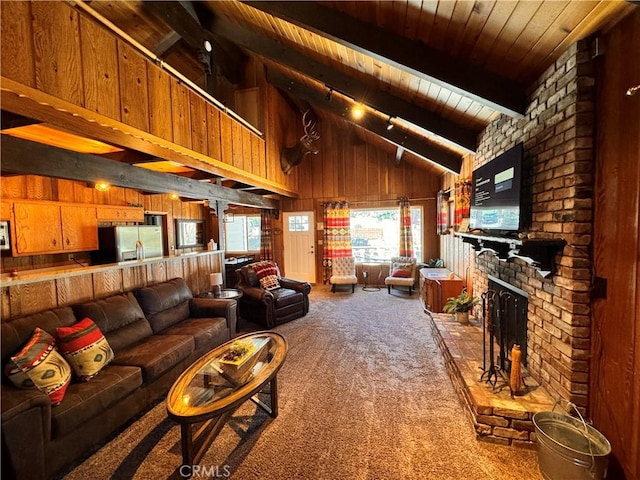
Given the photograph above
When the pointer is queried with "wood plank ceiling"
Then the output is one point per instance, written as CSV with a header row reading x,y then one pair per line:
x,y
440,71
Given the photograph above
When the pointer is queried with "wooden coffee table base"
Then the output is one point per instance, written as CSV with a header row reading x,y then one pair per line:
x,y
196,438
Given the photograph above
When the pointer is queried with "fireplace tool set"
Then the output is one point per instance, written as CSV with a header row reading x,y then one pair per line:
x,y
493,333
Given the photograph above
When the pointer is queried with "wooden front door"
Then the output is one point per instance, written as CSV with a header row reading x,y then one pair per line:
x,y
614,393
299,242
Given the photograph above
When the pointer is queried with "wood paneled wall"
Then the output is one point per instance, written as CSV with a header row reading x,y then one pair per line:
x,y
55,49
614,393
30,297
366,176
458,256
35,187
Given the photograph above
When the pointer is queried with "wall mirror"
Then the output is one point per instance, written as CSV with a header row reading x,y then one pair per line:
x,y
189,233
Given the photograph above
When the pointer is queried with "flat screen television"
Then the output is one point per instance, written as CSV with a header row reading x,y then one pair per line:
x,y
496,194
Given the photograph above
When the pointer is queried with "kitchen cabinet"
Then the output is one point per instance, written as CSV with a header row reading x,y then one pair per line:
x,y
436,286
79,228
113,213
41,227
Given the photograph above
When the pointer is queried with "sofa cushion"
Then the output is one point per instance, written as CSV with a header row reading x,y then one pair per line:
x,y
85,400
206,332
83,345
156,354
44,365
165,304
267,274
15,333
401,270
120,319
285,296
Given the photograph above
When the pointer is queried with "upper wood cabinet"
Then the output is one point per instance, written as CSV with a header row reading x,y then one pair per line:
x,y
79,227
48,227
36,228
113,213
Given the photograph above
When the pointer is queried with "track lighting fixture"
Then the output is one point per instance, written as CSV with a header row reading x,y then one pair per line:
x,y
389,124
327,97
633,90
357,112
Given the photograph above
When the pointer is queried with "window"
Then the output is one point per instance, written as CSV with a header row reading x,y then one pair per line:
x,y
243,233
375,233
299,223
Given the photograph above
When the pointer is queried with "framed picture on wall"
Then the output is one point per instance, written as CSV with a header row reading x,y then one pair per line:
x,y
5,243
189,233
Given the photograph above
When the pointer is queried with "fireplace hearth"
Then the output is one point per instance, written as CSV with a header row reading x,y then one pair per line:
x,y
496,415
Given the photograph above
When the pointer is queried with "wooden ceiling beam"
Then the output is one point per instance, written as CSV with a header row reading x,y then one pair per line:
x,y
183,18
436,154
410,56
166,43
25,157
367,91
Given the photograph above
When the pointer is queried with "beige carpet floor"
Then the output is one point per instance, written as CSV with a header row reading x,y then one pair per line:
x,y
363,395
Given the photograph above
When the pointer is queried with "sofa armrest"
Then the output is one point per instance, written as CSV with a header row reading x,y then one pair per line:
x,y
26,430
297,285
255,294
215,307
15,401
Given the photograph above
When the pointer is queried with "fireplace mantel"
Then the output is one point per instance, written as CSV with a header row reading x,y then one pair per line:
x,y
538,252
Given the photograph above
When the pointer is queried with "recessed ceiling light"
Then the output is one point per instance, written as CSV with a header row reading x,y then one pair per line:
x,y
102,186
207,46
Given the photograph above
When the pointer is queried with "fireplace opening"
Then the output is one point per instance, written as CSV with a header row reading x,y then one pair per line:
x,y
509,316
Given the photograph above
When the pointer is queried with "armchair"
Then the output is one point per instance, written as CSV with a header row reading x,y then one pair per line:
x,y
343,272
402,273
268,298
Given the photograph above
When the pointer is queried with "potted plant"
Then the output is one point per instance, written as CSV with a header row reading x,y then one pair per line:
x,y
461,306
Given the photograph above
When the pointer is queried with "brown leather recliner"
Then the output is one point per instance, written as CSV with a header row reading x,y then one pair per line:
x,y
271,307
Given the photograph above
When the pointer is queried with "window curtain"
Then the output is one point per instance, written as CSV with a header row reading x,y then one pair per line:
x,y
337,234
462,203
406,237
266,235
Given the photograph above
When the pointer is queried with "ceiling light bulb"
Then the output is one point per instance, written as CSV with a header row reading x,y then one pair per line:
x,y
357,112
207,46
174,196
102,186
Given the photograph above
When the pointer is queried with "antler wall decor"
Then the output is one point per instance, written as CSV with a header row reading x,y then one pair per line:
x,y
292,156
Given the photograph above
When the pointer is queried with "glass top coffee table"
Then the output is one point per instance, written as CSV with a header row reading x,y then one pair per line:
x,y
215,385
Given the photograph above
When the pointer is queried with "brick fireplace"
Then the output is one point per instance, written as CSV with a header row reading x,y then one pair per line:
x,y
558,133
558,163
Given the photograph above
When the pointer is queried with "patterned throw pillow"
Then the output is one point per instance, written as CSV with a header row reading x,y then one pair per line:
x,y
83,345
17,376
44,365
267,274
402,270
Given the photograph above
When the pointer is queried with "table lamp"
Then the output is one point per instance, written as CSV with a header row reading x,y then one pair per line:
x,y
215,279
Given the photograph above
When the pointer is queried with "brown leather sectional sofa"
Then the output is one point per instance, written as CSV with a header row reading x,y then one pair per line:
x,y
155,332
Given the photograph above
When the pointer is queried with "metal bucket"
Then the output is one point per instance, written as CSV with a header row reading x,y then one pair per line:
x,y
569,449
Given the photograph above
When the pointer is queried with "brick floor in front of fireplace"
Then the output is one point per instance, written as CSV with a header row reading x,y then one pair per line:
x,y
496,415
